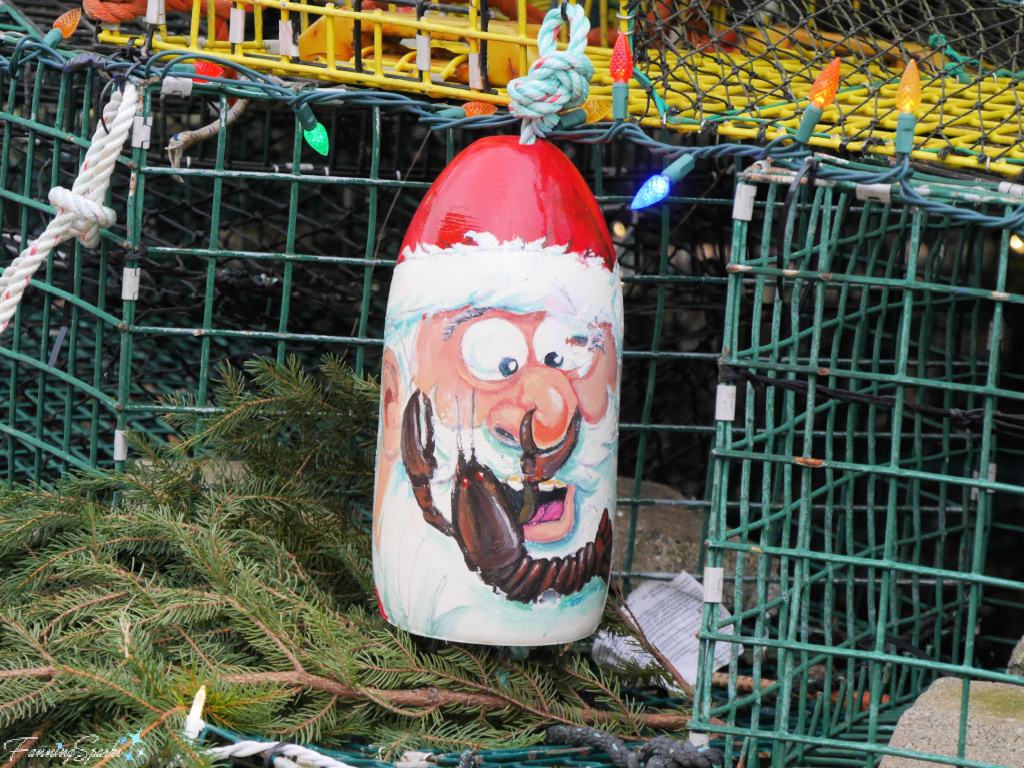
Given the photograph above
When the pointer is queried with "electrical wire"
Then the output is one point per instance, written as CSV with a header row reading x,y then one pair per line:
x,y
913,186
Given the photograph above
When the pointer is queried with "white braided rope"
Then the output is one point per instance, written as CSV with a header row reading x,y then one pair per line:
x,y
287,756
80,211
558,80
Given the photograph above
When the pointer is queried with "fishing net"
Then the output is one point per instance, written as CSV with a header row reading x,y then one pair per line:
x,y
744,69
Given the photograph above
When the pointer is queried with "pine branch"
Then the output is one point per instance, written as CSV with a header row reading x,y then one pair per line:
x,y
238,558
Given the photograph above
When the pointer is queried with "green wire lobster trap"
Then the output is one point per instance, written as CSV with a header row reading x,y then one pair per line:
x,y
872,463
863,338
254,245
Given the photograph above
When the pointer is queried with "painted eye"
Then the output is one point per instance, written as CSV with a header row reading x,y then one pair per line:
x,y
494,349
553,360
559,344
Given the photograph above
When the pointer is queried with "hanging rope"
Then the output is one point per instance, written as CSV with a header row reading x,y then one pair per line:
x,y
558,80
80,211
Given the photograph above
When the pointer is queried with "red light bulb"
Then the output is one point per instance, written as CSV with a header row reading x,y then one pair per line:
x,y
207,69
621,65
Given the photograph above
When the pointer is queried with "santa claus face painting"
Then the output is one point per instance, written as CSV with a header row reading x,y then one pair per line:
x,y
498,432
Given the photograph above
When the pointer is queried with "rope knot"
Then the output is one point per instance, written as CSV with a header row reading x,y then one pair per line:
x,y
557,80
88,216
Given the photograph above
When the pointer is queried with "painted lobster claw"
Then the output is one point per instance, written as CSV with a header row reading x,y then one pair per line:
x,y
488,518
418,457
539,465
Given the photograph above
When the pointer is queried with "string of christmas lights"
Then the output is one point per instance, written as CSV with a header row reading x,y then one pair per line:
x,y
209,71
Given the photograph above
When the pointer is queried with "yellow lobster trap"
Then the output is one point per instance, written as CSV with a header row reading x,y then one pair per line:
x,y
735,68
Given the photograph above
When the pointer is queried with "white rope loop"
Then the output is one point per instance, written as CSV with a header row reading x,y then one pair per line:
x,y
80,210
89,215
557,80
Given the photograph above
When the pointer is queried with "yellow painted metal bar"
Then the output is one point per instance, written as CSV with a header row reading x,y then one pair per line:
x,y
474,23
521,9
211,23
193,30
257,20
378,46
453,65
332,64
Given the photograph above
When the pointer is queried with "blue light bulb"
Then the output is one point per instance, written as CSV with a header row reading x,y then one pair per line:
x,y
654,190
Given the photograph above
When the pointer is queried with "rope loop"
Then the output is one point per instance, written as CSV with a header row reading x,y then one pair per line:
x,y
80,210
89,215
557,80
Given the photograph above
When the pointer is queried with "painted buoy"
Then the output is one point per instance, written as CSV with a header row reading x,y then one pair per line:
x,y
495,486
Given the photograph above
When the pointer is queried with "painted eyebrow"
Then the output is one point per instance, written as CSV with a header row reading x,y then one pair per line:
x,y
466,314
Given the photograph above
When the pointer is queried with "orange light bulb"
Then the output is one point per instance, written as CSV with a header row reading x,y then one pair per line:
x,y
597,109
479,108
67,23
825,87
908,95
621,65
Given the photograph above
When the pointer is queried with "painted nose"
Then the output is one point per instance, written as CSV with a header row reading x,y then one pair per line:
x,y
547,393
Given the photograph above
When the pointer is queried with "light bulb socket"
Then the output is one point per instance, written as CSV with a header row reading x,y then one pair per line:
x,y
306,117
454,113
182,70
620,101
809,121
53,38
679,168
905,133
571,119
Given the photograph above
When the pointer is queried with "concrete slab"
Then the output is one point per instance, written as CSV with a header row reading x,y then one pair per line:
x,y
995,725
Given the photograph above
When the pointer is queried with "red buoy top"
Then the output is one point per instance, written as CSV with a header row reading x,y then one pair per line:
x,y
511,191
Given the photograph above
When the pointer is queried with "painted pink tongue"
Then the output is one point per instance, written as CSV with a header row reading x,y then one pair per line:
x,y
548,512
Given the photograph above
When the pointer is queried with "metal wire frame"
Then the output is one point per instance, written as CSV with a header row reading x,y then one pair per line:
x,y
257,246
263,248
876,520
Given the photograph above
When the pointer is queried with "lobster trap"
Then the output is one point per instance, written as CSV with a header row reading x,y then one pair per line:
x,y
252,244
864,338
871,464
741,69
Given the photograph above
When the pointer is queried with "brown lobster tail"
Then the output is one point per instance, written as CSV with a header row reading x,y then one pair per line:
x,y
527,579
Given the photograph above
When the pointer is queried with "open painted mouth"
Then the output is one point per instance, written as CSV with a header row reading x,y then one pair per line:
x,y
555,514
550,506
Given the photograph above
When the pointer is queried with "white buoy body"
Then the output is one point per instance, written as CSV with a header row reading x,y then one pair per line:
x,y
496,464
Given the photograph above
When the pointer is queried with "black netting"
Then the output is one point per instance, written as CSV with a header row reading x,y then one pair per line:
x,y
747,66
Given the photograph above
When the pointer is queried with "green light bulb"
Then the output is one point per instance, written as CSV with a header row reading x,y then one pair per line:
x,y
317,139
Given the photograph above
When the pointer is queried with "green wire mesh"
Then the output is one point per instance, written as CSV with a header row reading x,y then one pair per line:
x,y
257,246
857,485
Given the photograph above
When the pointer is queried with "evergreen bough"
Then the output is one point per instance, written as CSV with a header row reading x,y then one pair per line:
x,y
239,558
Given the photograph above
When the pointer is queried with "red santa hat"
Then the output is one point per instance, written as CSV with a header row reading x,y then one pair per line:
x,y
513,227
